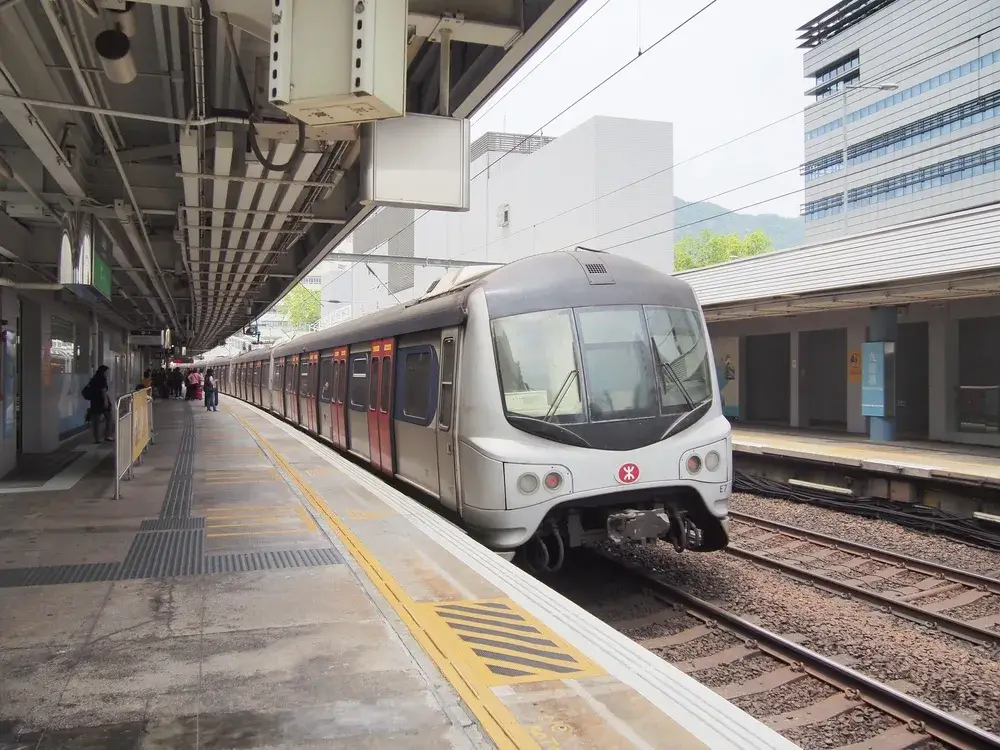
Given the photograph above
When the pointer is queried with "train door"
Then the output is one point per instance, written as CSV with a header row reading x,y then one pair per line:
x,y
341,379
255,383
292,388
278,386
384,414
326,396
265,384
446,434
309,364
374,375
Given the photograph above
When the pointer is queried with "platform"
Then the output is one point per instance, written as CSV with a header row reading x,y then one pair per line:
x,y
944,462
253,588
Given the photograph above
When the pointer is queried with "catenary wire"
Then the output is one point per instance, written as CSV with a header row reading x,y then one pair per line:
x,y
884,76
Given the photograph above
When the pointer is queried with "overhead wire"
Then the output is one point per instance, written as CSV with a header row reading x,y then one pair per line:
x,y
884,76
480,115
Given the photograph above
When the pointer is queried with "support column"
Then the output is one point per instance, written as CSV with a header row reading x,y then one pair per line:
x,y
794,380
883,326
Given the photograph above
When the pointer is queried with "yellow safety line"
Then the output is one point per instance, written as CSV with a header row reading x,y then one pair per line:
x,y
257,533
495,718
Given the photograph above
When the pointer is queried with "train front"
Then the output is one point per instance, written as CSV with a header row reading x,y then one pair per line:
x,y
594,404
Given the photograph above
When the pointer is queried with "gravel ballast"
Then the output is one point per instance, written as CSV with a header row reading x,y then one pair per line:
x,y
875,533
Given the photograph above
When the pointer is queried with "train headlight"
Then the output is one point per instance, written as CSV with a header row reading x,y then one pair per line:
x,y
553,480
712,461
693,464
527,483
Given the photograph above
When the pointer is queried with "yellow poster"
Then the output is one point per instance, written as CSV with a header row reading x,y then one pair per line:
x,y
854,366
140,423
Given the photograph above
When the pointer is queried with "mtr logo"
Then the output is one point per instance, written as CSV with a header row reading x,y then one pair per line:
x,y
628,473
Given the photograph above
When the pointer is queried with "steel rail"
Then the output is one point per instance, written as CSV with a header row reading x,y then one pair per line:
x,y
956,575
920,715
938,621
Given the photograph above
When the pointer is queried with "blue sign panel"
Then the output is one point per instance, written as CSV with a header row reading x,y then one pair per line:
x,y
873,379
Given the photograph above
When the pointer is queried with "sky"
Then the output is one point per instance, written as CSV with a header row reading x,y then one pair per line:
x,y
729,71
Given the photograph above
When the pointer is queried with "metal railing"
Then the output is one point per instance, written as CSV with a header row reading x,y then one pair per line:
x,y
133,433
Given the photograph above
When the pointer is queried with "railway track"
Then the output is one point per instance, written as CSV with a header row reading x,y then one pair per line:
x,y
815,701
958,602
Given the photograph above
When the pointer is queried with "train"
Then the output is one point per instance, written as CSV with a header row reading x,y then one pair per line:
x,y
567,398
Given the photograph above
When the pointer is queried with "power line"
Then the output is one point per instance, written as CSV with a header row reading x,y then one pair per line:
x,y
795,113
579,99
878,165
481,115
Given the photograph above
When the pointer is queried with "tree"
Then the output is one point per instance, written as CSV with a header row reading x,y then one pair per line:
x,y
709,249
301,306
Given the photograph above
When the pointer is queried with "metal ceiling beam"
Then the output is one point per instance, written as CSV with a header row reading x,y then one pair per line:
x,y
244,203
220,194
144,251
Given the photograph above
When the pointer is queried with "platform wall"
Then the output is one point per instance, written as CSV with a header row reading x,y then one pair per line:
x,y
51,345
797,371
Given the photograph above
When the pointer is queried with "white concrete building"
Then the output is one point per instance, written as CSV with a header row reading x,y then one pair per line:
x,y
529,195
929,145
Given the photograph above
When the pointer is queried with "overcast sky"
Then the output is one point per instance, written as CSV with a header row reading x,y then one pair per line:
x,y
735,68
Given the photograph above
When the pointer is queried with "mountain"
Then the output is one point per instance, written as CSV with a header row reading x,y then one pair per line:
x,y
691,218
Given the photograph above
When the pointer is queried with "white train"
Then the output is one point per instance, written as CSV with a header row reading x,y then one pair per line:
x,y
559,400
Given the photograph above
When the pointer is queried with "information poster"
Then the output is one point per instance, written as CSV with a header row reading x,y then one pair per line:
x,y
727,364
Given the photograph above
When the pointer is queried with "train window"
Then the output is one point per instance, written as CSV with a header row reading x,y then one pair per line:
x,y
447,382
417,385
289,377
383,403
359,382
337,375
279,370
373,385
326,385
265,374
304,379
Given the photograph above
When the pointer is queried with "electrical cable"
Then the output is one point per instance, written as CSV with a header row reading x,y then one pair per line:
x,y
755,131
913,516
300,141
796,113
480,115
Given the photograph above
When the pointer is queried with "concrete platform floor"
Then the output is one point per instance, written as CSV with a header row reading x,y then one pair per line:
x,y
205,609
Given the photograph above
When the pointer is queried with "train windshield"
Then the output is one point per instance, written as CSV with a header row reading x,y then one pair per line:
x,y
613,377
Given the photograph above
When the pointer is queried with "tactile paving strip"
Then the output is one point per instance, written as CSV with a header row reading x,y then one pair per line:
x,y
160,554
172,524
180,488
56,574
241,562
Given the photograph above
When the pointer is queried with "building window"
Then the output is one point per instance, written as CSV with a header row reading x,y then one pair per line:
x,y
824,165
942,123
823,207
837,69
959,71
944,173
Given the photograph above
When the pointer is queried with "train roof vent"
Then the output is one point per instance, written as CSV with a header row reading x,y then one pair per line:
x,y
595,268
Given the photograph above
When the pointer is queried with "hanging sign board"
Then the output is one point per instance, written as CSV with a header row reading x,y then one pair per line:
x,y
85,258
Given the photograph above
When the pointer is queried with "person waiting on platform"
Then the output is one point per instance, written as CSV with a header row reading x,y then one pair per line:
x,y
211,392
97,391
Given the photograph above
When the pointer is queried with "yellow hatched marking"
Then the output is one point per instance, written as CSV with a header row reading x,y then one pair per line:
x,y
496,719
505,644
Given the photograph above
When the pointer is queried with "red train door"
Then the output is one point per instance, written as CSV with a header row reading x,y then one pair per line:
x,y
292,388
374,372
379,398
278,382
386,382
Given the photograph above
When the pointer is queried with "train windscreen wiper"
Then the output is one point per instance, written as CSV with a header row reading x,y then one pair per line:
x,y
667,369
563,390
